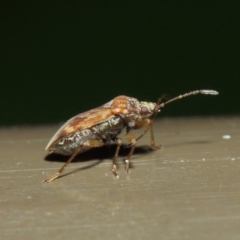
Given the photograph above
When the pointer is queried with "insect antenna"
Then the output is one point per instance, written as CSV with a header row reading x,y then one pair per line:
x,y
206,92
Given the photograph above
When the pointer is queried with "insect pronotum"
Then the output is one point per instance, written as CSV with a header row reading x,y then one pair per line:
x,y
102,125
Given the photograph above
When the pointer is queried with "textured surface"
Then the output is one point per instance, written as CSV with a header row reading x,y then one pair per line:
x,y
189,189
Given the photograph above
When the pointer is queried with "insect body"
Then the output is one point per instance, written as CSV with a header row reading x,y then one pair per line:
x,y
102,125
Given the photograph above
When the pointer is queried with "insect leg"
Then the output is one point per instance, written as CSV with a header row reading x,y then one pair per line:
x,y
89,143
148,124
133,142
56,175
153,140
144,123
114,168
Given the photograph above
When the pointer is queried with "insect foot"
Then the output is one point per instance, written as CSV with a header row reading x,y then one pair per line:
x,y
127,165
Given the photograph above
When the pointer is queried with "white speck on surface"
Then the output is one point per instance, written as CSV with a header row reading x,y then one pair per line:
x,y
226,136
203,159
233,159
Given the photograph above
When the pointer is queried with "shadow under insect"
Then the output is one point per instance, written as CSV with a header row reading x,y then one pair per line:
x,y
183,143
101,154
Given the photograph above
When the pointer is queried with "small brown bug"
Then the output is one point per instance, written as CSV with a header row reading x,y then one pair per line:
x,y
102,125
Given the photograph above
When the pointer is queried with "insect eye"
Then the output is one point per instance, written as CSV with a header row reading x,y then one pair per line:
x,y
144,110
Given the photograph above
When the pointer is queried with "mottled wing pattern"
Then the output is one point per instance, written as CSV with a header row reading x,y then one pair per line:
x,y
82,121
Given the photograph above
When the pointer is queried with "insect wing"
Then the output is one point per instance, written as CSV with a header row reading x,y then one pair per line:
x,y
82,121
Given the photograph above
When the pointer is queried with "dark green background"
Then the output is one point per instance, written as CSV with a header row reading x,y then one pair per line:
x,y
59,59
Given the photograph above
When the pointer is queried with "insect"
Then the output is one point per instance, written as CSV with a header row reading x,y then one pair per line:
x,y
102,125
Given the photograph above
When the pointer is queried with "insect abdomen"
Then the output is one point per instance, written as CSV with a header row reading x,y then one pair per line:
x,y
67,145
109,129
104,132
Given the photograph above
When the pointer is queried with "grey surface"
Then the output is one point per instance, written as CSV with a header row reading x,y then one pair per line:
x,y
189,189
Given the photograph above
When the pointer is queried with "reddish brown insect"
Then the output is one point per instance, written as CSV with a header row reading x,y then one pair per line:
x,y
102,125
